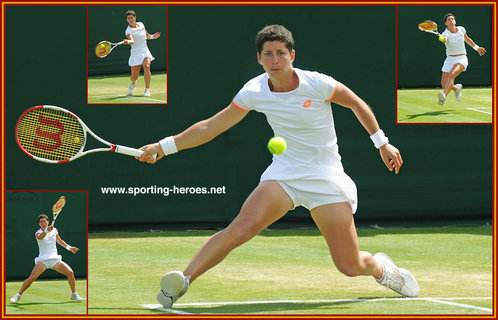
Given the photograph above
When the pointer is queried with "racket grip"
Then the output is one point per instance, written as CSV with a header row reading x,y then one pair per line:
x,y
130,151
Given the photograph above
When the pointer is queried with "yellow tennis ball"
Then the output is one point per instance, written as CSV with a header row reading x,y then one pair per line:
x,y
76,139
277,145
441,38
102,45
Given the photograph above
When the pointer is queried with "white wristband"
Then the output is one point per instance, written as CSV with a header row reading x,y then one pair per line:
x,y
379,139
68,248
476,47
168,145
152,36
46,230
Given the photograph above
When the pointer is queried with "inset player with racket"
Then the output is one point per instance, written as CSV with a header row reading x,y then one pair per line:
x,y
55,135
454,39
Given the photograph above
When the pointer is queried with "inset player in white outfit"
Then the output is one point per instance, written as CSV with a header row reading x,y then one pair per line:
x,y
136,37
47,237
456,57
296,104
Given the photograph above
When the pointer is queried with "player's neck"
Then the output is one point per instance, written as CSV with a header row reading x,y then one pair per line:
x,y
287,82
452,29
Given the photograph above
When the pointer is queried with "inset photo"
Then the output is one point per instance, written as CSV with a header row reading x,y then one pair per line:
x,y
46,237
127,54
444,64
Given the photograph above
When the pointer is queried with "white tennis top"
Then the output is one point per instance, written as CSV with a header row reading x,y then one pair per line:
x,y
139,38
48,245
456,41
303,117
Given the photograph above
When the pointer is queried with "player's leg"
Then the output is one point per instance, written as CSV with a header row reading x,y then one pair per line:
x,y
147,75
38,269
266,204
66,270
135,72
337,226
450,81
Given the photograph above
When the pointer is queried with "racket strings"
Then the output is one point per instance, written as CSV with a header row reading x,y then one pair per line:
x,y
102,49
428,25
50,134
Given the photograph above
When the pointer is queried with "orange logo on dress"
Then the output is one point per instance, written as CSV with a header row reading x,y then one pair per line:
x,y
307,104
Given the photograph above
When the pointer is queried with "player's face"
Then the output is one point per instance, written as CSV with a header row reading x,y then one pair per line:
x,y
450,21
43,223
276,58
131,19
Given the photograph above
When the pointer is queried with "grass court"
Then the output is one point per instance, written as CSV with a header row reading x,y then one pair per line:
x,y
114,90
291,272
421,106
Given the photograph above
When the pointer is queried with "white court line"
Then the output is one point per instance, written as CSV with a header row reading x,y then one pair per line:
x,y
203,304
112,96
476,110
459,304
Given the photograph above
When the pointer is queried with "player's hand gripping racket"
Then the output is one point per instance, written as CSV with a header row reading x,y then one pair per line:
x,y
104,48
54,135
57,208
429,26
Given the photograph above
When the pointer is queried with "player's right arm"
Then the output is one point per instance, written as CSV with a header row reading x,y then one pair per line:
x,y
41,234
199,133
129,39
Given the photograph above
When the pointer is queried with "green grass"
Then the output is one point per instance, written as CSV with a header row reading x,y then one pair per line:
x,y
114,90
46,297
421,106
291,272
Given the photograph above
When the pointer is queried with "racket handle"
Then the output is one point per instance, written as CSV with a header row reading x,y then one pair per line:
x,y
130,151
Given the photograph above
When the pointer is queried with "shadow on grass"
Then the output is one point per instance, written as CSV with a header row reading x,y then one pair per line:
x,y
428,114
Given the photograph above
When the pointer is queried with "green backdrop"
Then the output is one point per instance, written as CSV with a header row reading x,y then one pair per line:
x,y
421,55
22,211
211,55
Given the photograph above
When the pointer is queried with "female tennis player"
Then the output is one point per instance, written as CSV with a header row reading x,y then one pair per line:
x,y
309,173
46,237
136,37
456,57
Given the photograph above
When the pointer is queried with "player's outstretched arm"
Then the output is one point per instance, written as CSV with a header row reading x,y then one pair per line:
x,y
475,46
199,133
65,245
347,98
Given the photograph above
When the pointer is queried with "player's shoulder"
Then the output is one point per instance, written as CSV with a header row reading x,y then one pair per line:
x,y
312,77
256,83
38,231
462,29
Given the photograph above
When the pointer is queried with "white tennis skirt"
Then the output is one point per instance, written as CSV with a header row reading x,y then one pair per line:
x,y
50,262
137,58
451,61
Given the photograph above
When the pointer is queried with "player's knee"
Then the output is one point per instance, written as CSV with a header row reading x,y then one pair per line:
x,y
348,269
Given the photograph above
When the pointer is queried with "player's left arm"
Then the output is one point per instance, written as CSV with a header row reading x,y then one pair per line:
x,y
65,245
152,36
476,47
347,98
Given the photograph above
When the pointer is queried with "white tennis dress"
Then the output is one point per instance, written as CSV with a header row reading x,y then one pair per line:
x,y
139,50
48,249
455,45
310,170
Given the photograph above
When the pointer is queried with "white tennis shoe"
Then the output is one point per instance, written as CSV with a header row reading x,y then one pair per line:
x,y
442,97
147,93
397,279
16,298
130,88
173,285
458,92
76,297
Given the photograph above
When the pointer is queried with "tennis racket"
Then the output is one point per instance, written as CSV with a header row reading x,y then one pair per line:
x,y
55,135
57,208
104,48
429,26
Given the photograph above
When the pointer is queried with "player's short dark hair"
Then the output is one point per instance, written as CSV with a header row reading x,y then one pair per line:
x,y
130,12
448,15
42,216
274,32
